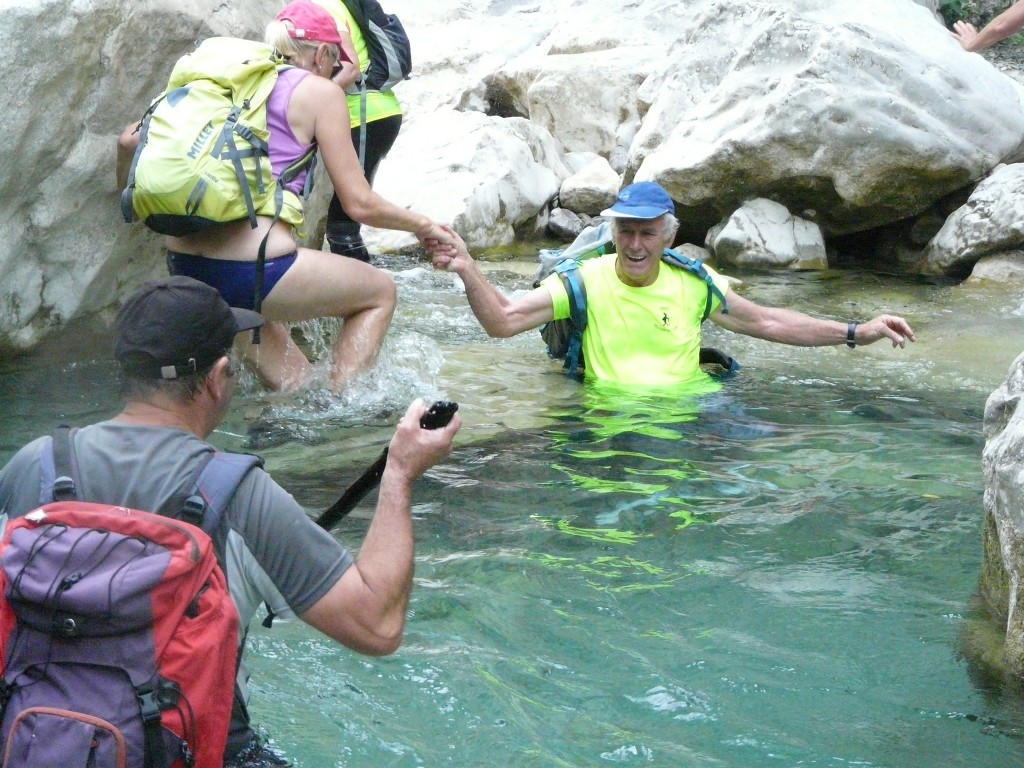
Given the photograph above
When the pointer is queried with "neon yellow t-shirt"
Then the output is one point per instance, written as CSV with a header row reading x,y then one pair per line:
x,y
378,105
648,335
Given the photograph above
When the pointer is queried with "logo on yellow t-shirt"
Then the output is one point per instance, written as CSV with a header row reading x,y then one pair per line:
x,y
665,320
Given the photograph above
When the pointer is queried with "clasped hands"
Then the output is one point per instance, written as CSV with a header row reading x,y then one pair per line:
x,y
445,250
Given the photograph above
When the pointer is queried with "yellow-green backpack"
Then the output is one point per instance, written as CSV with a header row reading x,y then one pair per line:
x,y
203,155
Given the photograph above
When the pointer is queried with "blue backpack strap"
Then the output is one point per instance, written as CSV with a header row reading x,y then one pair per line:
x,y
47,472
569,272
214,483
708,355
216,480
696,267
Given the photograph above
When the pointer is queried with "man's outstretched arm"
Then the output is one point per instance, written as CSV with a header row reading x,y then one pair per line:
x,y
787,326
365,610
499,315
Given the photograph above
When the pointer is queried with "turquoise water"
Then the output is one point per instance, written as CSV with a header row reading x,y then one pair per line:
x,y
777,574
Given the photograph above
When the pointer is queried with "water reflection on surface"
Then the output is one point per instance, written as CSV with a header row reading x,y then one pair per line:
x,y
776,573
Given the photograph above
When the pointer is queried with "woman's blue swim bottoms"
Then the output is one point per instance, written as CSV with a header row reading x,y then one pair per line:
x,y
234,280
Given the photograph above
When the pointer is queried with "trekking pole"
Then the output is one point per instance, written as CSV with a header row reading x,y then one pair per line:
x,y
436,417
354,493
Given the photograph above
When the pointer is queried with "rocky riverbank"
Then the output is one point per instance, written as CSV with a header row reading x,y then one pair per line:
x,y
856,116
1008,57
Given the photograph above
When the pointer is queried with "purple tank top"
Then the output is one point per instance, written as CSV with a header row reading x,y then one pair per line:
x,y
285,149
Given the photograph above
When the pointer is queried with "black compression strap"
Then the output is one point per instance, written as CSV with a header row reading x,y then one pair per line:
x,y
152,730
65,488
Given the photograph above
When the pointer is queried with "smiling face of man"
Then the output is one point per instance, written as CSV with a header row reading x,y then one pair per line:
x,y
639,244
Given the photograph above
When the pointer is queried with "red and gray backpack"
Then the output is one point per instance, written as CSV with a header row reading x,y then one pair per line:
x,y
118,636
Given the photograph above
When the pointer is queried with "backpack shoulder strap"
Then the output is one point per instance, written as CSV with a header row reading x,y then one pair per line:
x,y
696,267
358,12
568,271
127,208
708,355
359,15
307,161
57,468
214,483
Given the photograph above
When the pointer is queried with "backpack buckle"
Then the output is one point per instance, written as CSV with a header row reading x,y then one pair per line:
x,y
193,511
64,489
149,702
156,697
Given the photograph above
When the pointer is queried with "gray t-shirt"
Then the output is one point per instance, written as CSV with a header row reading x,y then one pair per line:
x,y
275,554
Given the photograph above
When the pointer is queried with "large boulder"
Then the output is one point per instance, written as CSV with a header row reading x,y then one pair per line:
x,y
861,113
991,221
79,71
591,189
487,176
852,114
584,91
1001,268
1002,581
762,233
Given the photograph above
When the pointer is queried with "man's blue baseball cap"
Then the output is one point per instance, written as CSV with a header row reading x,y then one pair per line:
x,y
642,200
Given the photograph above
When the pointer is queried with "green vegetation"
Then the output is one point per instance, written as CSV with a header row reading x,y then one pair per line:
x,y
954,10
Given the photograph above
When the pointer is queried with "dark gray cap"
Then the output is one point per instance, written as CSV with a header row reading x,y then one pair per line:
x,y
176,326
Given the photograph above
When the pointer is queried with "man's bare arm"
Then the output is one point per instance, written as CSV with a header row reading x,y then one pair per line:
x,y
365,610
787,326
127,143
499,315
1009,22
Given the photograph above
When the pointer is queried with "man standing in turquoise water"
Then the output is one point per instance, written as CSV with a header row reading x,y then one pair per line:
x,y
644,316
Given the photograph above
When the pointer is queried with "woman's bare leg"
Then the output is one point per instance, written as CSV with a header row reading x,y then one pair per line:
x,y
320,284
278,361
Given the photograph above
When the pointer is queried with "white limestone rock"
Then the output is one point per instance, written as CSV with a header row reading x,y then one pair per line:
x,y
762,233
1000,268
79,71
487,176
564,225
866,112
591,189
1002,583
992,220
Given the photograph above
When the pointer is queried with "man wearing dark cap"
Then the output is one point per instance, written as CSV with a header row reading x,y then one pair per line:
x,y
173,339
643,315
